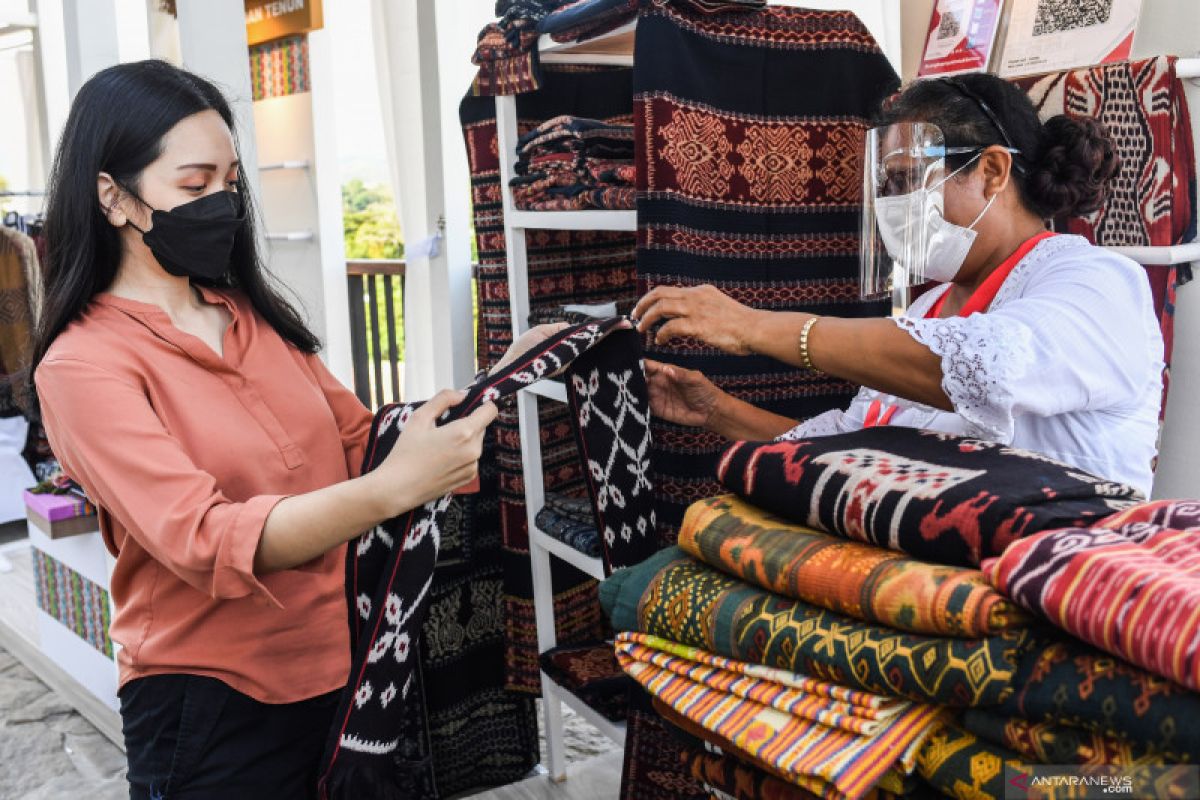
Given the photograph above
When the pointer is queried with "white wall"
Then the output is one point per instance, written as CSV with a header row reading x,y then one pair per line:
x,y
1173,27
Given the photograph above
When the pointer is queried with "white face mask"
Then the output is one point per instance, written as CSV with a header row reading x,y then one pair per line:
x,y
946,244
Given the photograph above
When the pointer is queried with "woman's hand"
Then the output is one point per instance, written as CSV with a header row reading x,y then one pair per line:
x,y
529,340
702,312
682,396
429,461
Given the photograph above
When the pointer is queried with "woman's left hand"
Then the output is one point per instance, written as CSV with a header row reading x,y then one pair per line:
x,y
702,312
529,340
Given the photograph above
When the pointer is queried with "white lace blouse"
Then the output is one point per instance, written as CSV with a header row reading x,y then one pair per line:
x,y
1067,362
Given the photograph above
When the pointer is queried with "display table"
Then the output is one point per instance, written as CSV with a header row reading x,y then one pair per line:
x,y
55,607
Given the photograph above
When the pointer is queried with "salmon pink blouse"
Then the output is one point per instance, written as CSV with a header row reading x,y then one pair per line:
x,y
186,452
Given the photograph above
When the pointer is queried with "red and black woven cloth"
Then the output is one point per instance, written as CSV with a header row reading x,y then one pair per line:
x,y
749,129
390,569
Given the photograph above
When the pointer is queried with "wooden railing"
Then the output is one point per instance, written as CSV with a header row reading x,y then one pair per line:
x,y
376,349
377,344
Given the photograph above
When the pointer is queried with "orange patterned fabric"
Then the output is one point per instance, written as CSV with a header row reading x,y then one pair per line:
x,y
859,580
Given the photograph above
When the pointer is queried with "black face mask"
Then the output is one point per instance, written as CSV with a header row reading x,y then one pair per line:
x,y
195,240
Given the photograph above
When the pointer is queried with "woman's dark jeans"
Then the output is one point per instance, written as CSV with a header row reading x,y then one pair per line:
x,y
189,737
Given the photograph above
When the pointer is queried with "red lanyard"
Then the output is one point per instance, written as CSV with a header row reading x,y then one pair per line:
x,y
877,415
981,299
979,302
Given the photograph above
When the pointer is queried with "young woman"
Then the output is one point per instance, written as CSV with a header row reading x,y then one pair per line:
x,y
185,395
1043,342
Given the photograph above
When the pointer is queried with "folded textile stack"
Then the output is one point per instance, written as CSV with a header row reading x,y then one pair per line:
x,y
751,629
815,734
586,19
591,672
506,52
570,520
905,616
1130,585
572,163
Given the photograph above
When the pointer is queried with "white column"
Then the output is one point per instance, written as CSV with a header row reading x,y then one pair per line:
x,y
91,37
328,188
49,45
455,73
133,30
437,309
212,42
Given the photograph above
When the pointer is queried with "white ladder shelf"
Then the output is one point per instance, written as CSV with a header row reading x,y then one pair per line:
x,y
612,49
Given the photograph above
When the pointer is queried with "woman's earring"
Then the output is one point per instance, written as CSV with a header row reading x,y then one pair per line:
x,y
116,217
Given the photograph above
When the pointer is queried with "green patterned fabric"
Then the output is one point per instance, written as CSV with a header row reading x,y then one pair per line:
x,y
672,596
1067,681
1053,743
959,764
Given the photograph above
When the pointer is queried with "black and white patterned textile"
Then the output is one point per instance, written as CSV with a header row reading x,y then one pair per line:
x,y
390,569
611,410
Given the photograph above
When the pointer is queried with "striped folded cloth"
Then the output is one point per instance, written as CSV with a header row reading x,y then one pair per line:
x,y
824,737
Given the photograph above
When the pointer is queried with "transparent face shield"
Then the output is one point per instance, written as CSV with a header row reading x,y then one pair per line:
x,y
905,170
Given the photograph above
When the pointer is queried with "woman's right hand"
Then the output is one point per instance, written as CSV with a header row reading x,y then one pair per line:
x,y
682,396
429,460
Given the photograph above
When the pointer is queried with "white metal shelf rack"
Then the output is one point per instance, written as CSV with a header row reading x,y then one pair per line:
x,y
612,49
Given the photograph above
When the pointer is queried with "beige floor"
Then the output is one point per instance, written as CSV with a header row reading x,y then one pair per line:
x,y
63,753
598,778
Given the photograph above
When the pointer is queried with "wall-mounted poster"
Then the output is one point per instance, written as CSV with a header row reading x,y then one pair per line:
x,y
1050,35
962,34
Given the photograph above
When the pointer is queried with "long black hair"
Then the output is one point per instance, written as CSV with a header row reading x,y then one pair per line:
x,y
116,125
1063,167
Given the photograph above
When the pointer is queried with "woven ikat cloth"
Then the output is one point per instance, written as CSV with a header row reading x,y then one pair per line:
x,y
750,128
676,598
1129,585
390,569
1152,200
810,731
565,267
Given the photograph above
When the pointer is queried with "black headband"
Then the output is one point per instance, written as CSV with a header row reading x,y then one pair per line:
x,y
974,97
985,108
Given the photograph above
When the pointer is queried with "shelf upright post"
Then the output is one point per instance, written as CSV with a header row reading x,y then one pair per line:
x,y
531,446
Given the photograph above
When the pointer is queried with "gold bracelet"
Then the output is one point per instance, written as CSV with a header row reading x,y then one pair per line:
x,y
805,358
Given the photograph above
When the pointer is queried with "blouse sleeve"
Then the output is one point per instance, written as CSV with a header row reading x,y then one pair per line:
x,y
828,423
107,437
353,418
1080,338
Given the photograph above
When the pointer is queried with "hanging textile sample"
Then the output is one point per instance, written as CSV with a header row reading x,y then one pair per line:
x,y
377,747
750,129
564,268
19,273
1152,200
279,67
78,603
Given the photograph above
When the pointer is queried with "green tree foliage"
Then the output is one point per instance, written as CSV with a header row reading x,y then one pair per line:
x,y
372,229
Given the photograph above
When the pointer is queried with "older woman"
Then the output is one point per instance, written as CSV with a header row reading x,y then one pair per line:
x,y
1044,342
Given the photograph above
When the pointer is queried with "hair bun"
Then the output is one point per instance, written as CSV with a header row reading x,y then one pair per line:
x,y
1072,171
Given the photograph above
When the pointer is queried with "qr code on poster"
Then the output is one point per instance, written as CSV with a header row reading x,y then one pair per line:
x,y
949,27
1056,16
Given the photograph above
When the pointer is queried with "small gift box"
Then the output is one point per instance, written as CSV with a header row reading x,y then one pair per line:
x,y
60,515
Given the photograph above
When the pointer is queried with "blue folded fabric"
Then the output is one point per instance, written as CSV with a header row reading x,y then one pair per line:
x,y
578,14
570,521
